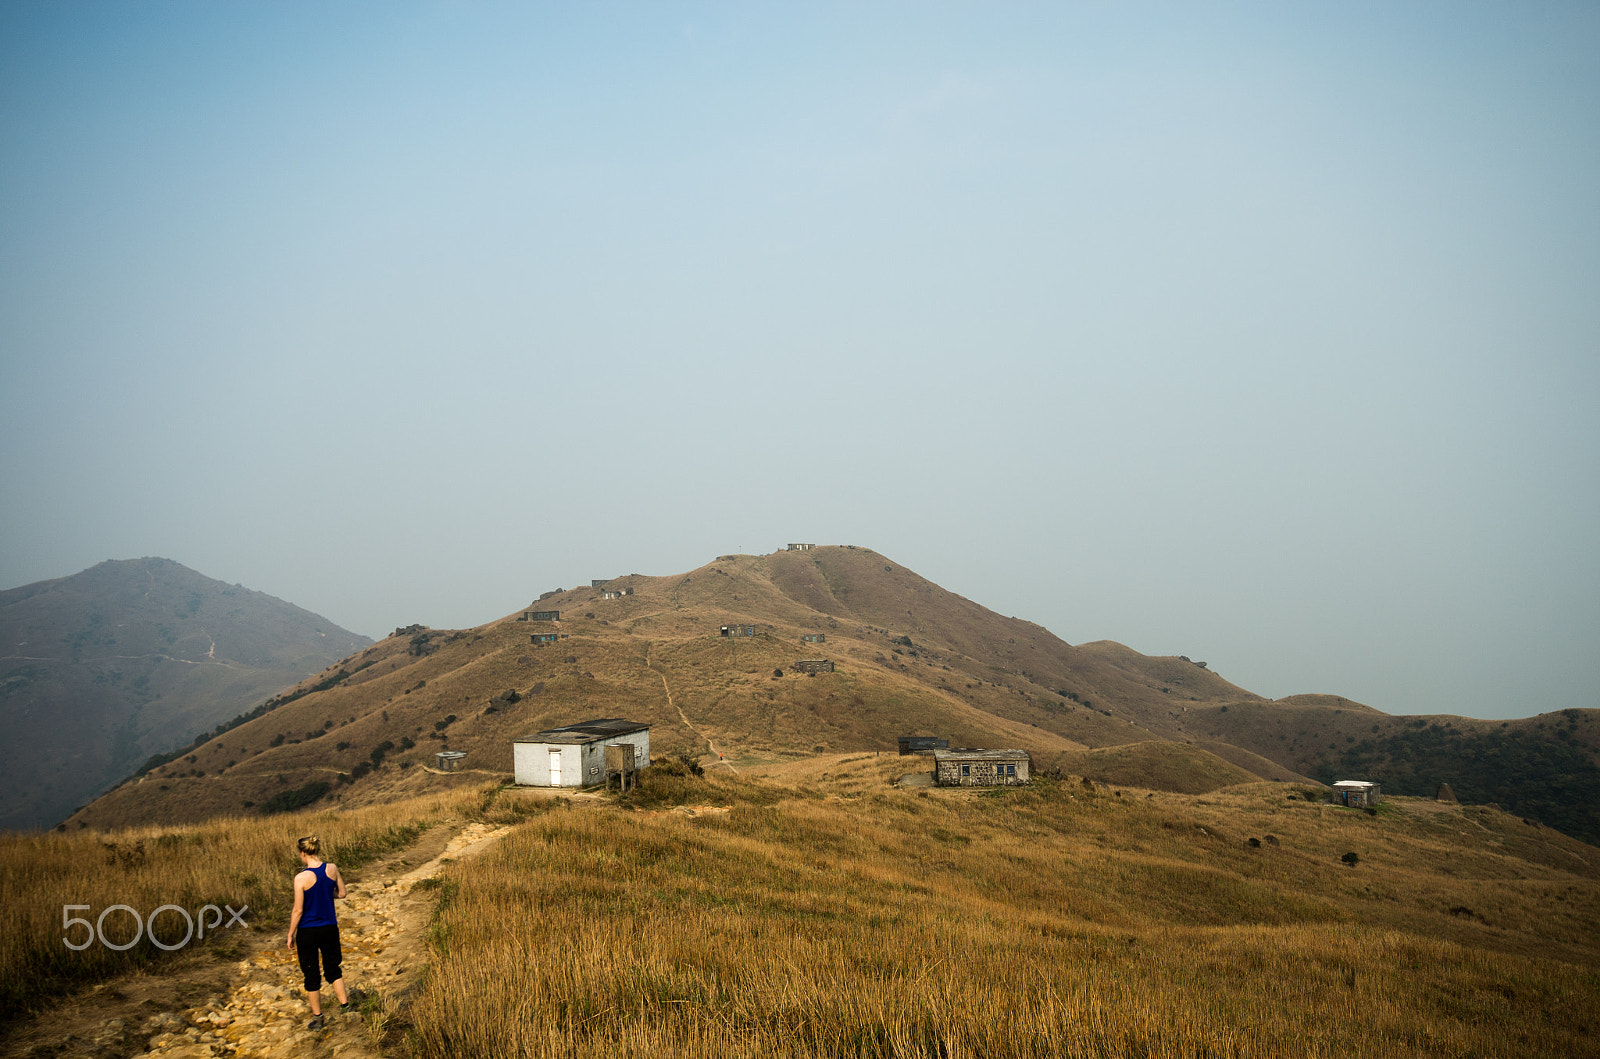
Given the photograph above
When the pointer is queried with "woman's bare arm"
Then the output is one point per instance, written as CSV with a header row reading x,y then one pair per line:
x,y
299,908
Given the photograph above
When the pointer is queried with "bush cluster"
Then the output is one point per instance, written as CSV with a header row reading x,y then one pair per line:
x,y
287,801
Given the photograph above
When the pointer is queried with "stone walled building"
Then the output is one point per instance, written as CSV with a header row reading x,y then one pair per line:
x,y
813,665
969,767
1357,794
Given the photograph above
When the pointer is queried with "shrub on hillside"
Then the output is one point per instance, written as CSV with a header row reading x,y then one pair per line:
x,y
498,806
287,801
678,765
677,780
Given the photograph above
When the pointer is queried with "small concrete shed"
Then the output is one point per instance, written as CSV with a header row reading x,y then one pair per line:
x,y
1357,794
575,756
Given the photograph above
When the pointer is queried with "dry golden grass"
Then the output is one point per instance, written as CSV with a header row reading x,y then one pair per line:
x,y
1152,764
236,862
1049,921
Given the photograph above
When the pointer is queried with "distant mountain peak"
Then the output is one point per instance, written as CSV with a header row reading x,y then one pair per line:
x,y
142,654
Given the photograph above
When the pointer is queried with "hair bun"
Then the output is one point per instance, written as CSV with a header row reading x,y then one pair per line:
x,y
311,845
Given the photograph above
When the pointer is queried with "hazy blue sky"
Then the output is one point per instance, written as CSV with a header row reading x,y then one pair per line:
x,y
1264,333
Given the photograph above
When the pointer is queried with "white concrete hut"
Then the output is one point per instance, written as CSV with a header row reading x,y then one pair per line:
x,y
575,756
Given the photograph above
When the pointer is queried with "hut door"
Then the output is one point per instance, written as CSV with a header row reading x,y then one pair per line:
x,y
555,768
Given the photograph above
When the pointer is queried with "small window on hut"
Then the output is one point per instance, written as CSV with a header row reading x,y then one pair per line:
x,y
966,770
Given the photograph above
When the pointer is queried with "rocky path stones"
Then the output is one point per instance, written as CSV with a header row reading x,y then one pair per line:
x,y
264,1016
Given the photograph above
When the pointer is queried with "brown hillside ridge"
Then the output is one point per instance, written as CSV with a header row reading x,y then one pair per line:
x,y
909,658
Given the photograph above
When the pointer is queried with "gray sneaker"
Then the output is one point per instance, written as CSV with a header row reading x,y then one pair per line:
x,y
315,1023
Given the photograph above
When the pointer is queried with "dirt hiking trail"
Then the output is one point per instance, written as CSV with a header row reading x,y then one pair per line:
x,y
255,1008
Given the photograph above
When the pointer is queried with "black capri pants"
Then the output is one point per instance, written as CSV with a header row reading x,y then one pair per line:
x,y
309,943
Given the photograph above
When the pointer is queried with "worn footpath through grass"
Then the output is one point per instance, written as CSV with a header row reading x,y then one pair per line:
x,y
240,992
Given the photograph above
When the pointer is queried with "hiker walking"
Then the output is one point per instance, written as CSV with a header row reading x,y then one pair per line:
x,y
314,929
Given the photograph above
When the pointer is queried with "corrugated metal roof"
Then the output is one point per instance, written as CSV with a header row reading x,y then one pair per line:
x,y
587,731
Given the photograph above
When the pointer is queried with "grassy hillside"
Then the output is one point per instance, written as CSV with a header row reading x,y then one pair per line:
x,y
129,659
950,669
845,917
1156,765
1545,768
822,911
910,659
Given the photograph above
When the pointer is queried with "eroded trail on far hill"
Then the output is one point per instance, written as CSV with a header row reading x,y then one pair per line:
x,y
648,661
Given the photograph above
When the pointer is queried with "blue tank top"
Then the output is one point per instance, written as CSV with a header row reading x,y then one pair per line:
x,y
317,911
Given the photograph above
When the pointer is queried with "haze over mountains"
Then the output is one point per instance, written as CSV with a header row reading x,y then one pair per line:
x,y
100,670
910,658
